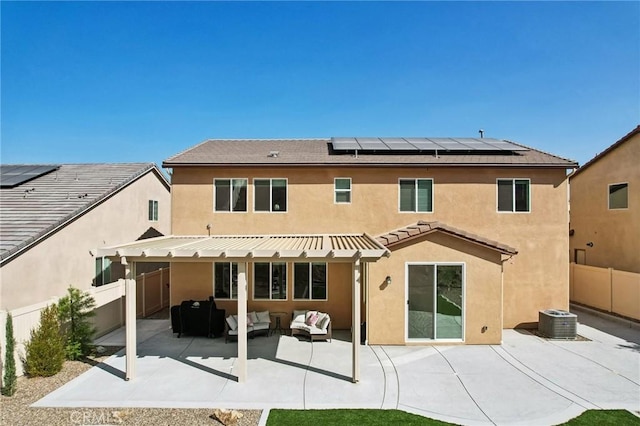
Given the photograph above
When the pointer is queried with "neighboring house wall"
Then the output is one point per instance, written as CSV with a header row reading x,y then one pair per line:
x,y
45,270
536,278
615,233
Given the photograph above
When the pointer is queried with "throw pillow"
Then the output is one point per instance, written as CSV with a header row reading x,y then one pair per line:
x,y
249,320
264,317
254,317
324,323
232,323
321,317
313,318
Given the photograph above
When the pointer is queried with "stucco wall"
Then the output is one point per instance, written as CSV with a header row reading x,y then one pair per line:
x,y
537,278
615,234
194,281
63,259
482,289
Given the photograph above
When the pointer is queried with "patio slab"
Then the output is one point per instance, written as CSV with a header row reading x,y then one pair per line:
x,y
526,380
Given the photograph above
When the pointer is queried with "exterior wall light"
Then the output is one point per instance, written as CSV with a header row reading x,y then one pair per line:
x,y
388,280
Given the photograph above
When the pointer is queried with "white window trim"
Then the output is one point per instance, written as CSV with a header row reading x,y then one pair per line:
x,y
270,298
213,280
513,204
154,209
326,281
609,196
336,190
253,183
230,189
433,186
406,298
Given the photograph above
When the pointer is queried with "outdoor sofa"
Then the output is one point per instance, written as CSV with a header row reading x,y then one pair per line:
x,y
257,323
313,324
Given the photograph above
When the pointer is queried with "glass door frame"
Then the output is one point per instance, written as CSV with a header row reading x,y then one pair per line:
x,y
406,300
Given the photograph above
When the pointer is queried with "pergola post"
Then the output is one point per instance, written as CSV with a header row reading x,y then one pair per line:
x,y
355,323
130,319
241,372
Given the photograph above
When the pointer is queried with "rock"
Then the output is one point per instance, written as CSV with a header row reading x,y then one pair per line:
x,y
226,417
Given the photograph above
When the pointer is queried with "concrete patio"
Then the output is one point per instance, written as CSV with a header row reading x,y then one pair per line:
x,y
526,380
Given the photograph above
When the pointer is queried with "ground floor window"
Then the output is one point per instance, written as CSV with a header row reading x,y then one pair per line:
x,y
310,281
270,281
225,280
435,305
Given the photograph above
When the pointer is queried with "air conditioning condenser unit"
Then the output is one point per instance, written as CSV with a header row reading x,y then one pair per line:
x,y
557,324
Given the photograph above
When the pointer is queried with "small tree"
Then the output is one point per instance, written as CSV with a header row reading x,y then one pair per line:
x,y
45,350
10,379
74,311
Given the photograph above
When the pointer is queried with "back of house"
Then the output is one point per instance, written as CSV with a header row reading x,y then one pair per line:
x,y
476,229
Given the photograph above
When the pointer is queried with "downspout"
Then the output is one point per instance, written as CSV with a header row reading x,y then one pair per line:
x,y
502,294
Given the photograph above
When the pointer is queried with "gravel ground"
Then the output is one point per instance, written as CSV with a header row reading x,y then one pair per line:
x,y
16,410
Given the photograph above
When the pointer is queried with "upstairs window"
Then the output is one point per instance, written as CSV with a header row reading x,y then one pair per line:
x,y
270,195
342,189
153,210
225,280
618,196
230,195
513,195
416,195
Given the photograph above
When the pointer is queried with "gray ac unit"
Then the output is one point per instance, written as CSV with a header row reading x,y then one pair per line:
x,y
557,324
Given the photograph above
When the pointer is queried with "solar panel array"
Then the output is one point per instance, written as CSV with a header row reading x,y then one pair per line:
x,y
14,175
424,144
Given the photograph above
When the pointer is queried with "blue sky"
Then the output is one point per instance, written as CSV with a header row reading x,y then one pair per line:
x,y
127,81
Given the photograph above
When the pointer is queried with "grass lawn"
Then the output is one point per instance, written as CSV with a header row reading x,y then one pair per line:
x,y
390,417
347,417
604,418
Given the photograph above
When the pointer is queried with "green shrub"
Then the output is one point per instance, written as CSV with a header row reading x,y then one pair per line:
x,y
74,311
10,380
45,350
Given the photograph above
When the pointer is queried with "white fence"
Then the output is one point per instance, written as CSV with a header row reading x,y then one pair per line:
x,y
152,296
606,289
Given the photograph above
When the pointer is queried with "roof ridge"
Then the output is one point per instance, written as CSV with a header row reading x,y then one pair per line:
x,y
394,237
544,152
607,150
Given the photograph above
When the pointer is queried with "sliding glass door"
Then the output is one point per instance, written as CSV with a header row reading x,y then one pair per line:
x,y
435,301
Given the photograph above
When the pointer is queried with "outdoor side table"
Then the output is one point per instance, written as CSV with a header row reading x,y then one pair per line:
x,y
278,322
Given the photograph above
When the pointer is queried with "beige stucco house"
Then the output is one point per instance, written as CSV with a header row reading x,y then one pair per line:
x,y
51,216
605,207
426,240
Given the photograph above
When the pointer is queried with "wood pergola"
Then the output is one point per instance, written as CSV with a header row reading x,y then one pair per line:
x,y
331,248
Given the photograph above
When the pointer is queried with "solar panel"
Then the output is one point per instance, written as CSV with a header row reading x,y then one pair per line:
x,y
14,175
373,144
343,144
424,144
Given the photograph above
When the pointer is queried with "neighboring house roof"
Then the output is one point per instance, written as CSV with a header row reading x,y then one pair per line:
x,y
422,228
622,140
40,206
321,152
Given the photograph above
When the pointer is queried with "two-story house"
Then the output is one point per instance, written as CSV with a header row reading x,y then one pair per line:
x,y
605,200
476,229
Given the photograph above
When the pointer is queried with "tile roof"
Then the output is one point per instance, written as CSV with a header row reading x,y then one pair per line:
x,y
622,140
319,152
39,207
423,228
